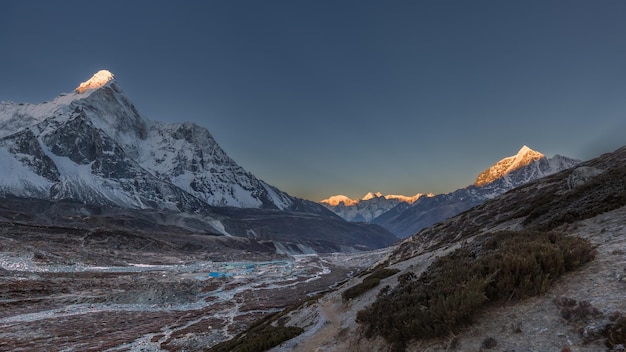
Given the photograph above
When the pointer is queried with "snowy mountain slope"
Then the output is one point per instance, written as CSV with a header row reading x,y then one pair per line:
x,y
93,145
507,165
367,208
187,156
88,158
527,165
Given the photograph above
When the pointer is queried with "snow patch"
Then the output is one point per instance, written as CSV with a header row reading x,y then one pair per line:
x,y
220,227
16,178
99,79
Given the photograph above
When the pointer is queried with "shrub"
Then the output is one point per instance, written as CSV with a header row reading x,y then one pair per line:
x,y
489,343
368,283
615,334
357,290
573,311
260,339
447,296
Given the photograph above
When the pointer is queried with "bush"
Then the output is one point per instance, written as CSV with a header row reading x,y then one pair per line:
x,y
496,267
368,283
615,334
357,290
260,339
573,311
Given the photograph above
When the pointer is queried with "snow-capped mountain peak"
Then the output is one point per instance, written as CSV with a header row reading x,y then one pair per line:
x,y
93,145
338,199
507,165
527,165
98,80
368,207
371,195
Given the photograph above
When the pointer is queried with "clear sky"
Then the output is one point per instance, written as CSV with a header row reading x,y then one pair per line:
x,y
343,97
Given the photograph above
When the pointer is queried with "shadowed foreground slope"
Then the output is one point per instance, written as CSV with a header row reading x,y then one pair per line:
x,y
582,310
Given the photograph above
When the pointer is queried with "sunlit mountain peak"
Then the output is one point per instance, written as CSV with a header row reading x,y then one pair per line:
x,y
408,199
523,157
336,200
371,195
96,81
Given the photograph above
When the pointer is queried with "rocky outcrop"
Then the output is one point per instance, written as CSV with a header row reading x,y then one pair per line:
x,y
582,175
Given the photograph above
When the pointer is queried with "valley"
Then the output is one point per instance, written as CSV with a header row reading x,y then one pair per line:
x,y
119,233
144,297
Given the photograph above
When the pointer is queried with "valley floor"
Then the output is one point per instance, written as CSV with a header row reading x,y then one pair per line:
x,y
147,301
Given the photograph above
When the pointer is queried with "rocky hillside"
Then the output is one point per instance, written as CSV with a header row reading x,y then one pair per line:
x,y
576,217
527,165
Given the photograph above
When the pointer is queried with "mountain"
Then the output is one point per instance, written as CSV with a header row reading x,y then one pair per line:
x,y
571,221
92,146
367,208
504,167
506,174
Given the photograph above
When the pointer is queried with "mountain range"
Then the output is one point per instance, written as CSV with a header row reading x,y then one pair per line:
x,y
405,216
367,208
92,146
575,216
122,233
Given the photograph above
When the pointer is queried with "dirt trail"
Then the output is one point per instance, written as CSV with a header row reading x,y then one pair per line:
x,y
325,338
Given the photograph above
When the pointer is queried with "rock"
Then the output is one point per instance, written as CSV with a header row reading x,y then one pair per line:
x,y
582,175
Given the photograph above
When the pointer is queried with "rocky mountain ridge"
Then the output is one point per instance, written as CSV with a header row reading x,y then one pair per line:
x,y
581,311
367,208
405,216
93,145
527,165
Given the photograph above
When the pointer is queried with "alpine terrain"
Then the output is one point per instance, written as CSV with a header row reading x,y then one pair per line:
x,y
118,233
91,146
538,268
527,165
367,208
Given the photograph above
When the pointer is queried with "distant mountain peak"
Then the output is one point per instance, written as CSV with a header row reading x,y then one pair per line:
x,y
334,201
371,195
526,152
368,207
338,199
507,165
99,79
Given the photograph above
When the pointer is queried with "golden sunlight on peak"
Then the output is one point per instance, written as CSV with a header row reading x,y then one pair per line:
x,y
336,200
96,81
408,199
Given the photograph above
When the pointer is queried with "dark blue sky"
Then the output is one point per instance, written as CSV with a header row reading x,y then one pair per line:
x,y
344,97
